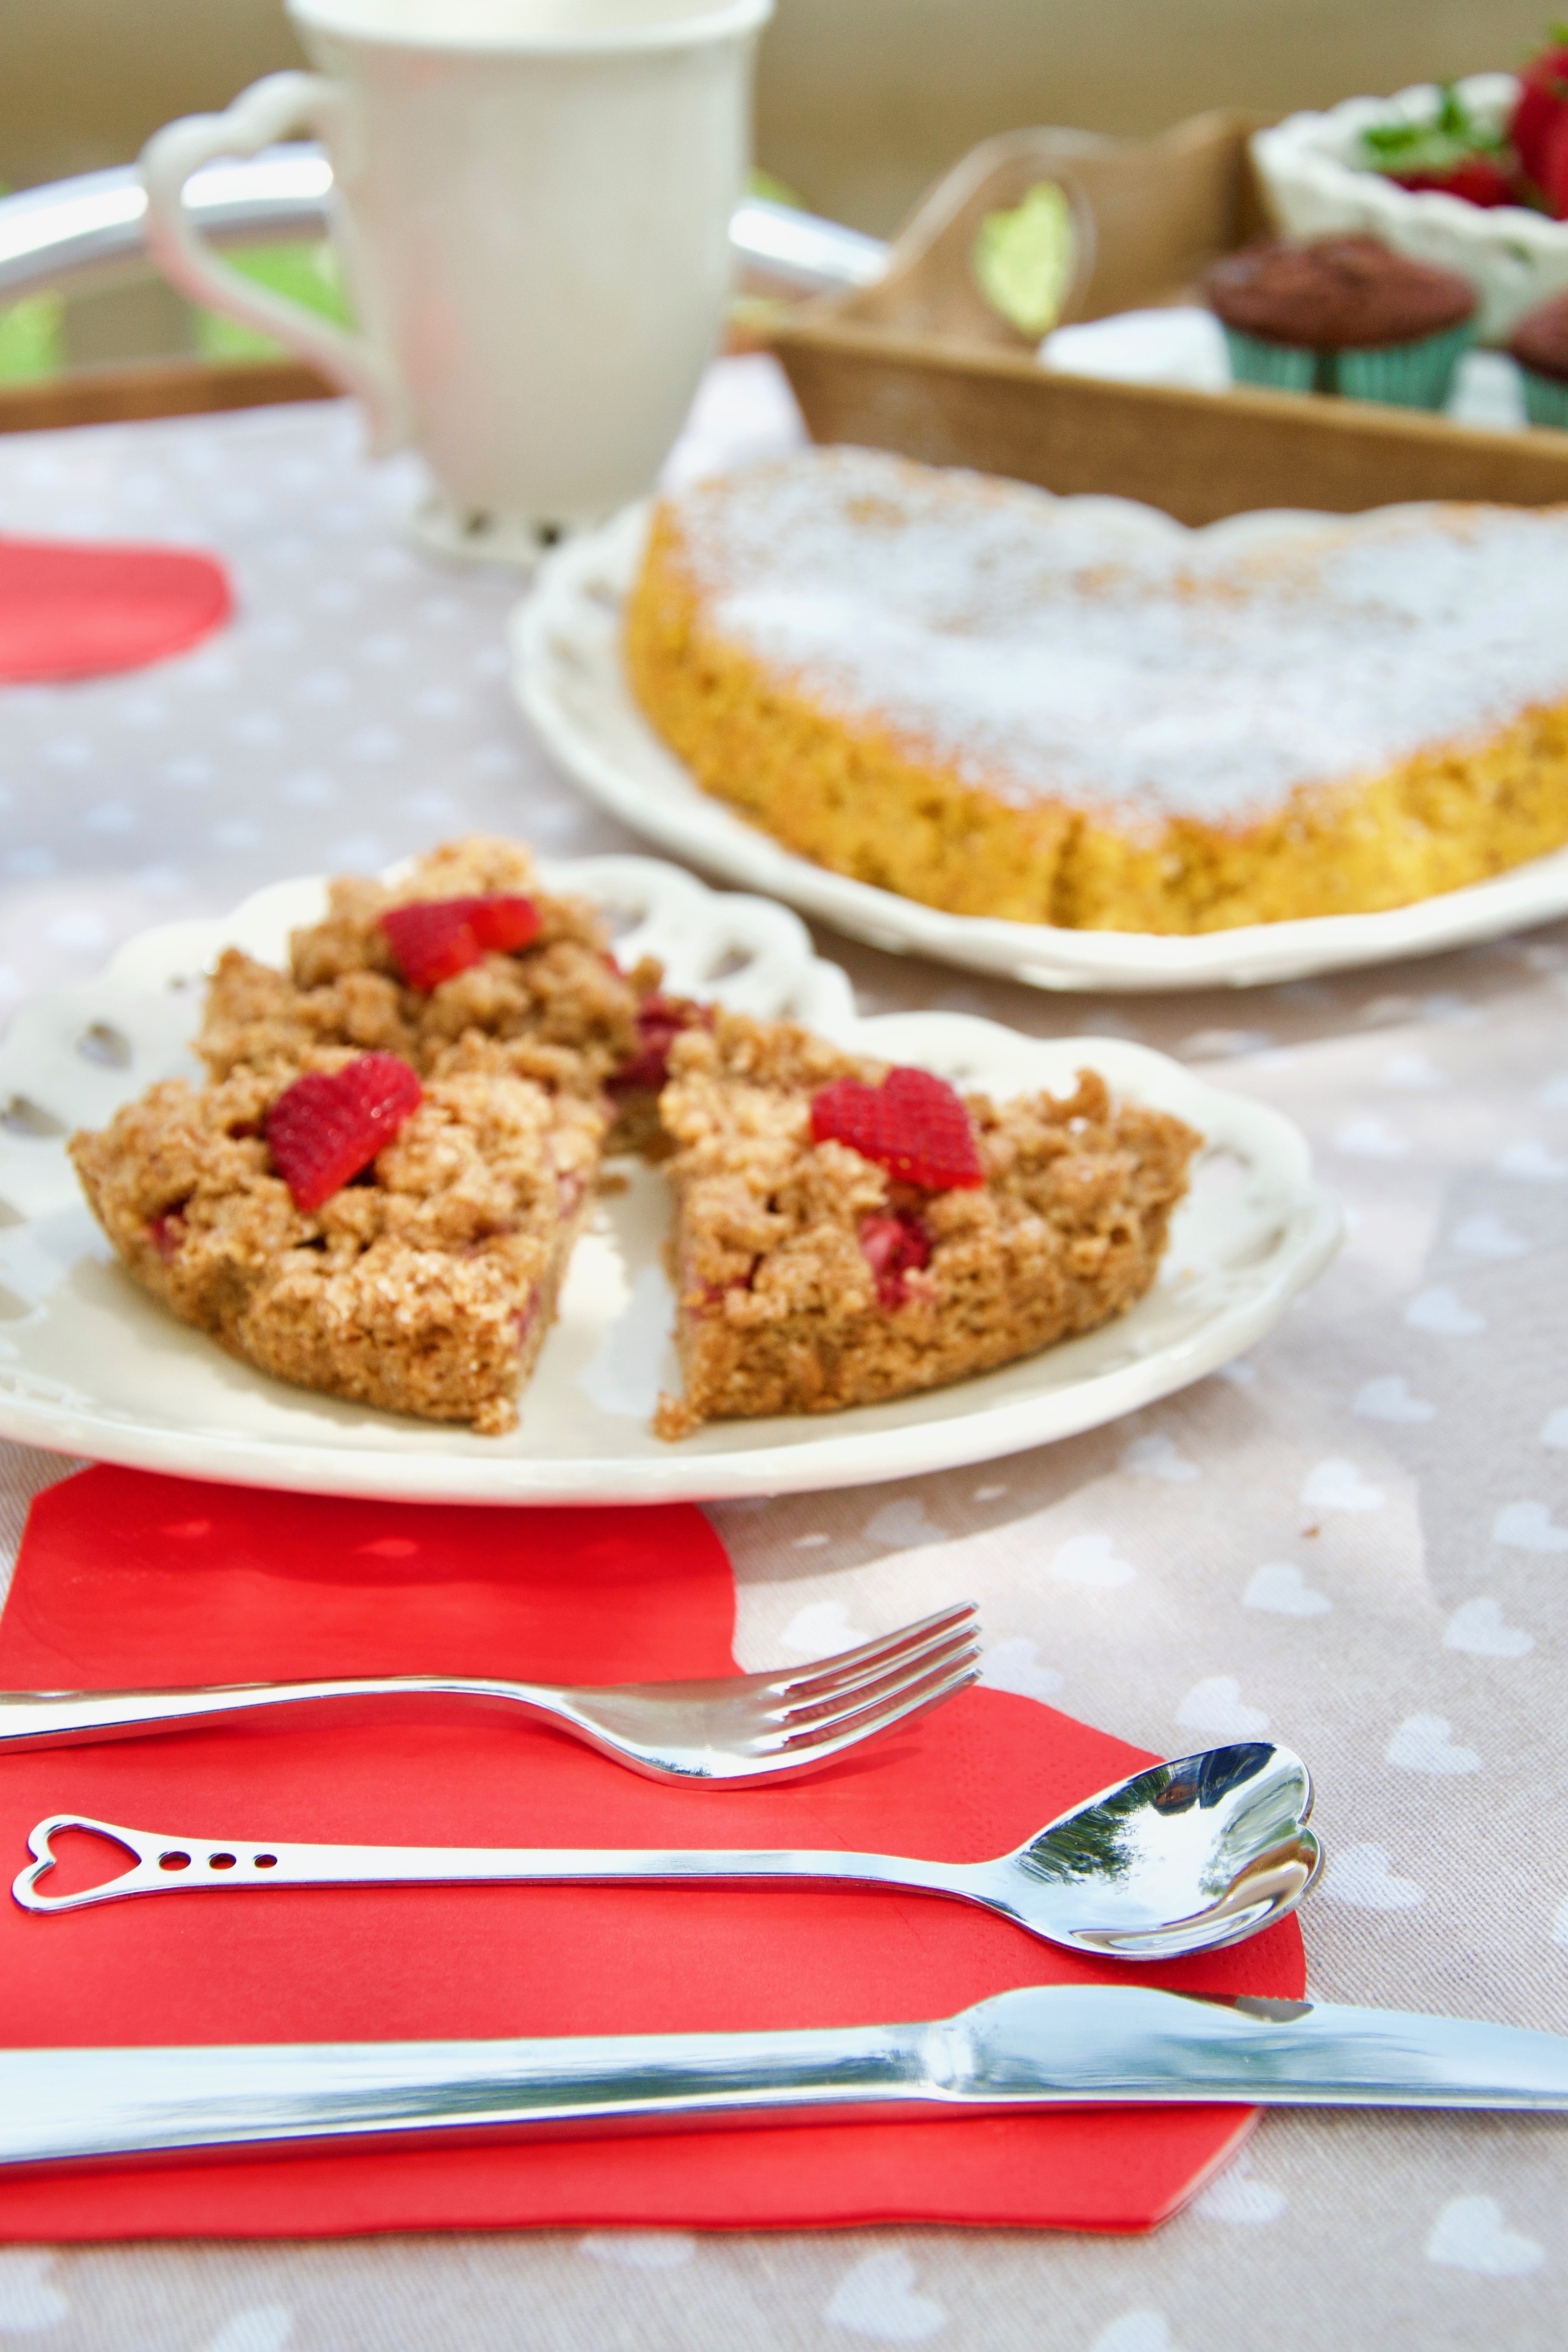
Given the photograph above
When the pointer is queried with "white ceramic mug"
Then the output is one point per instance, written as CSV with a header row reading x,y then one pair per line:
x,y
531,202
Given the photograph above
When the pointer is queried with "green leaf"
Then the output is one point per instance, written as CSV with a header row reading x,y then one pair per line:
x,y
1023,260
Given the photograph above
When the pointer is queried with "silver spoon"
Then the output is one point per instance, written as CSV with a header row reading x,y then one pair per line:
x,y
1182,1857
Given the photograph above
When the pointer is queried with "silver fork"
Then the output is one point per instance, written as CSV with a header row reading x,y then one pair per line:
x,y
768,1726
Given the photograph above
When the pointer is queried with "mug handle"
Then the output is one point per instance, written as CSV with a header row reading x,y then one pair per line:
x,y
270,109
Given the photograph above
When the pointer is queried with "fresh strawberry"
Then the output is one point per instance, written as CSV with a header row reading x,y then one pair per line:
x,y
1479,180
912,1125
167,1232
1542,101
660,1020
435,938
502,924
326,1127
1554,168
1450,151
893,1247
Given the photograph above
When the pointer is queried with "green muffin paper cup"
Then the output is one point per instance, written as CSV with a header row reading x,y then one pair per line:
x,y
1545,399
1283,367
1405,375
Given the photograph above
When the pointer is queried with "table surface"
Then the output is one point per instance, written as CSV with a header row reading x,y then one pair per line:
x,y
1347,1540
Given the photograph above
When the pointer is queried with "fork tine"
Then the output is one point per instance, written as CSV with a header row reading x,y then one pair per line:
x,y
867,1723
845,1668
781,1737
837,1706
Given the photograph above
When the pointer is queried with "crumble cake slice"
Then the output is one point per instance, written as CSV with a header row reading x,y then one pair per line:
x,y
425,1285
812,1276
557,1008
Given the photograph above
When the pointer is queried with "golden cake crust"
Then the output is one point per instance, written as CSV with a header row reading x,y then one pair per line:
x,y
763,674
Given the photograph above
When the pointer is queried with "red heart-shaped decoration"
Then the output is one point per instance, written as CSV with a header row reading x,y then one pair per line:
x,y
73,609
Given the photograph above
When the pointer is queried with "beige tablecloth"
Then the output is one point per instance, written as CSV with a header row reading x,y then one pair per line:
x,y
1356,1539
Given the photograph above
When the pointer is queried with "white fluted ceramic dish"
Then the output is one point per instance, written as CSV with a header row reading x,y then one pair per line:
x,y
90,1365
568,675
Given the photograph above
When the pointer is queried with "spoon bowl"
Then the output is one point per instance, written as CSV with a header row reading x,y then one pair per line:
x,y
1183,1857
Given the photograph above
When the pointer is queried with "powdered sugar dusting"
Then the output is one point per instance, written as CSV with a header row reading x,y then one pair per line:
x,y
1040,646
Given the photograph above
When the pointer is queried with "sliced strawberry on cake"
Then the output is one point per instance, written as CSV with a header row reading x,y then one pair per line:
x,y
846,1233
465,946
353,1229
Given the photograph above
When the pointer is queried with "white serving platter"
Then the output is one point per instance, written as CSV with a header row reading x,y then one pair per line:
x,y
568,675
90,1365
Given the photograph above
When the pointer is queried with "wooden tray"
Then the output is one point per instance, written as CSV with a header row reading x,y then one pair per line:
x,y
920,365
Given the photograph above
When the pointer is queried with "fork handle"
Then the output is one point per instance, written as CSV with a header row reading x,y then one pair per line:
x,y
33,1720
171,1865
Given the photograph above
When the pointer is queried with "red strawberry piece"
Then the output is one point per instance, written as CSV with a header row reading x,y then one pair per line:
x,y
660,1020
913,1125
326,1127
1554,168
167,1232
894,1246
432,939
1479,180
502,924
435,938
1542,96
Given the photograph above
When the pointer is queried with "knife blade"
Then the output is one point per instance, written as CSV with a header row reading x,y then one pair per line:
x,y
1057,2045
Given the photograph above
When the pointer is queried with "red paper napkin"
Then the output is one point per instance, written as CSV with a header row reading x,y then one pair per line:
x,y
126,1579
73,608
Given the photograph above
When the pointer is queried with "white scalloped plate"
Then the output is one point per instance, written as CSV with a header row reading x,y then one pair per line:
x,y
90,1365
568,675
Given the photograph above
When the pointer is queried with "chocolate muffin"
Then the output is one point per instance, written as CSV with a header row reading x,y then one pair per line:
x,y
1540,345
1345,314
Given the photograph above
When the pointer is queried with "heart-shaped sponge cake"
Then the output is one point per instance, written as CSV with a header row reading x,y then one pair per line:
x,y
1070,712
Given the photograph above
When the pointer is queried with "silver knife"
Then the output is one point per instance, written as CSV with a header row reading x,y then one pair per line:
x,y
1022,2052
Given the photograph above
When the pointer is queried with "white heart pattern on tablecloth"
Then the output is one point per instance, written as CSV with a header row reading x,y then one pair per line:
x,y
1280,1586
1389,1398
1529,1526
639,2250
1470,2235
1216,1708
1487,1236
903,1526
1158,1457
1360,1875
1478,1626
1091,1560
1534,1162
1337,1485
877,2298
1136,2331
266,2327
27,2301
1424,1743
1237,2198
1444,1313
1371,1139
821,1630
1011,1666
1416,1072
1555,1428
